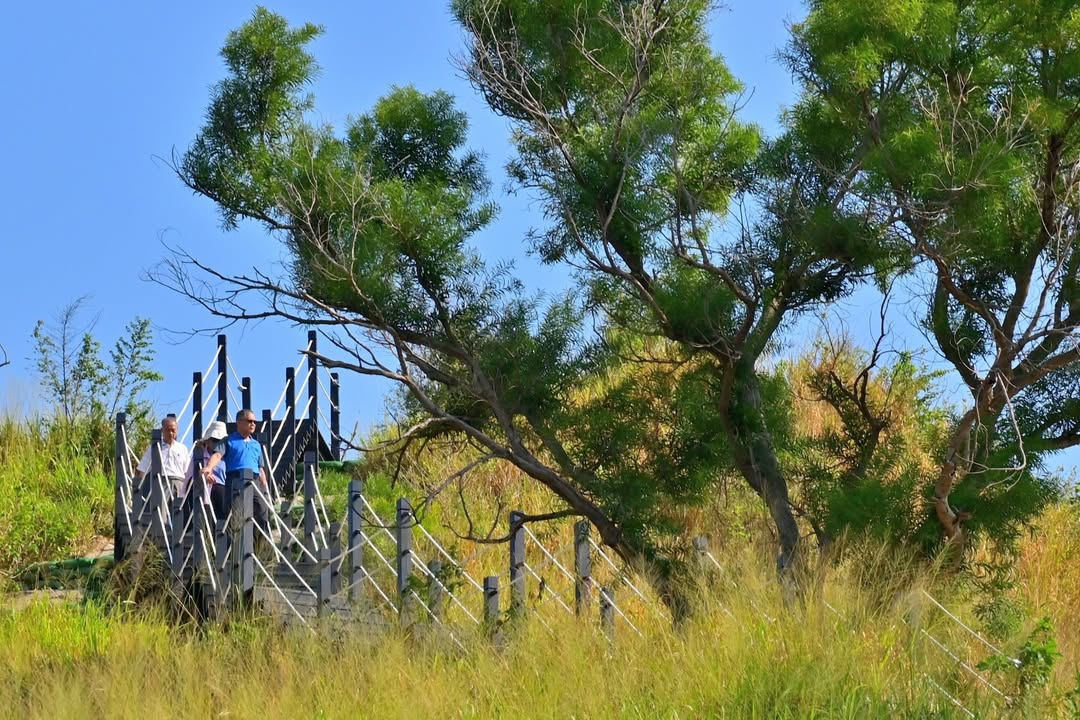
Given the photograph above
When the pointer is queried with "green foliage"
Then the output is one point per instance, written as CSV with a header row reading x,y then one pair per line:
x,y
964,114
1034,662
86,391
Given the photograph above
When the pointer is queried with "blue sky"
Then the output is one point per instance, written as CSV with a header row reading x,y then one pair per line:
x,y
102,94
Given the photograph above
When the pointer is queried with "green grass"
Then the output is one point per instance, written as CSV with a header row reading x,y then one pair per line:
x,y
744,654
54,494
730,661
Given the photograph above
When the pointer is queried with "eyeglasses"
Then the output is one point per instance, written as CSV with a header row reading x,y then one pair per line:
x,y
249,420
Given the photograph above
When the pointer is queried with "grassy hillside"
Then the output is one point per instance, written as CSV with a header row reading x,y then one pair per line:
x,y
867,641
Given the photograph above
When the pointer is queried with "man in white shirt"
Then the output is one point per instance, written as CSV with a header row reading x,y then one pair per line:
x,y
174,457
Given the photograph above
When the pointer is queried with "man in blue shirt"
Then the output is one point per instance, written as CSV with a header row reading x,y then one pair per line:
x,y
241,451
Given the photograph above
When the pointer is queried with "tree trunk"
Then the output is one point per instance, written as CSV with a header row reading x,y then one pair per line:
x,y
755,458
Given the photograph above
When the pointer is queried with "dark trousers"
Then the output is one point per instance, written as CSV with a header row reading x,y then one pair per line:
x,y
219,501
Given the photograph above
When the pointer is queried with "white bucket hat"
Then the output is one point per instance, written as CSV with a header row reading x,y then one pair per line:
x,y
216,431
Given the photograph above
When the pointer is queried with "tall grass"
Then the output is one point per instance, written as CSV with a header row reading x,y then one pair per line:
x,y
55,494
745,654
856,645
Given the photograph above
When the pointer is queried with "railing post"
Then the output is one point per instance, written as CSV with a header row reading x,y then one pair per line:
x,y
313,391
607,610
517,563
120,504
436,596
356,539
243,534
310,516
491,600
266,435
245,393
701,555
196,408
288,433
335,416
403,534
177,540
222,567
324,580
199,580
334,542
223,380
582,567
157,493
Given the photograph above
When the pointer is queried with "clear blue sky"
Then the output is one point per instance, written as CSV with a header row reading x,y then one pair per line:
x,y
101,93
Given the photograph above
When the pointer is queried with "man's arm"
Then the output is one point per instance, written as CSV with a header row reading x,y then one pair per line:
x,y
144,464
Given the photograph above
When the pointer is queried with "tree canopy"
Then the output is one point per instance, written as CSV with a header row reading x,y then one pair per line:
x,y
916,150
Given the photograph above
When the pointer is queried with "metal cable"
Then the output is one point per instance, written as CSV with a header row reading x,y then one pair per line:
x,y
550,556
941,646
626,579
617,609
953,700
279,590
547,587
976,635
427,571
447,555
285,560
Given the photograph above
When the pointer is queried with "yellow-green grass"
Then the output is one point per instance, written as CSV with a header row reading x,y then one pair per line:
x,y
745,654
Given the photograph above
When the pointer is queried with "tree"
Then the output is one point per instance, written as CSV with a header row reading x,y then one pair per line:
x,y
79,382
968,114
377,221
680,221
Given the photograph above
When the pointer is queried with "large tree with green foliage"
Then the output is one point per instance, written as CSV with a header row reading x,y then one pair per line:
x,y
967,116
378,220
681,221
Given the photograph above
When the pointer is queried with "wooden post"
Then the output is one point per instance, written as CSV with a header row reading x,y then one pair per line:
x,y
491,600
436,596
223,380
323,589
335,416
701,554
356,539
517,564
222,566
266,435
310,517
156,518
289,432
582,567
245,393
199,576
120,504
176,515
243,534
403,533
313,391
335,552
607,610
196,408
